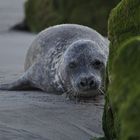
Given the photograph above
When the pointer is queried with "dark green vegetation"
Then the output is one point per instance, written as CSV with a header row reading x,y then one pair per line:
x,y
124,23
121,120
124,93
40,14
93,13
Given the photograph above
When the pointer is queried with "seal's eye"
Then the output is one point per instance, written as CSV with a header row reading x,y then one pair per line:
x,y
72,65
97,64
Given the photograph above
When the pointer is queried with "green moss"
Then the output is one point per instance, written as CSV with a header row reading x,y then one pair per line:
x,y
124,91
108,121
124,23
93,13
124,20
130,121
121,114
40,14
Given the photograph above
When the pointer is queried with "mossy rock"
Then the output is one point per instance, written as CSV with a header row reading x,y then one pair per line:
x,y
40,14
124,23
124,91
93,13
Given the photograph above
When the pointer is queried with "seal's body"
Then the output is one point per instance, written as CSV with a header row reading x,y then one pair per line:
x,y
65,58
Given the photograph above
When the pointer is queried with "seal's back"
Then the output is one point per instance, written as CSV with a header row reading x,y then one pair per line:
x,y
60,37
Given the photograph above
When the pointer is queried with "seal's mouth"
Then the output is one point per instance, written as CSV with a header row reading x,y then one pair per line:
x,y
86,92
86,86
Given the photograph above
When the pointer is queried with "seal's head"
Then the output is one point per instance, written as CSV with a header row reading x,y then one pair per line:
x,y
82,68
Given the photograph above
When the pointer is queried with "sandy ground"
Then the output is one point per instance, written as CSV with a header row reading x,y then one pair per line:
x,y
37,115
11,12
34,115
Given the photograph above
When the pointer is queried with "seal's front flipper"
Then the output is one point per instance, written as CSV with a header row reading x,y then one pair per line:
x,y
20,84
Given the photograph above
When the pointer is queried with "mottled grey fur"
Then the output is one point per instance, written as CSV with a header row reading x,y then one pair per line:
x,y
47,58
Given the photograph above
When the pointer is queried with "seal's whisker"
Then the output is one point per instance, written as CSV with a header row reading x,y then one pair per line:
x,y
68,93
101,91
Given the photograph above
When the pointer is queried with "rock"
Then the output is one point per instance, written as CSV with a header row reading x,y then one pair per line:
x,y
43,13
124,91
124,23
124,26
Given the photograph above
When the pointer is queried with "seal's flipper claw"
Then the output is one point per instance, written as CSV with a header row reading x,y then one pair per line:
x,y
20,84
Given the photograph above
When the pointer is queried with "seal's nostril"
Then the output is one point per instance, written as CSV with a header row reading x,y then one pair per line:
x,y
91,84
87,83
82,84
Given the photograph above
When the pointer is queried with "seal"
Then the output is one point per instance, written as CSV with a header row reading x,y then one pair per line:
x,y
67,58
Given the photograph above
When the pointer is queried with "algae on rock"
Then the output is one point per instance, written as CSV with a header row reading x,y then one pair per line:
x,y
124,23
40,14
44,13
124,90
123,96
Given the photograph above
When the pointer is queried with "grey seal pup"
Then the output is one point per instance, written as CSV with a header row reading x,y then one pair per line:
x,y
67,58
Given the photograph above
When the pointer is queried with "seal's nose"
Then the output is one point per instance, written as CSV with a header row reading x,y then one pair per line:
x,y
87,83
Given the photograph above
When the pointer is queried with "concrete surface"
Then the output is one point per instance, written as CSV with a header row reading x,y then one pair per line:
x,y
34,115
